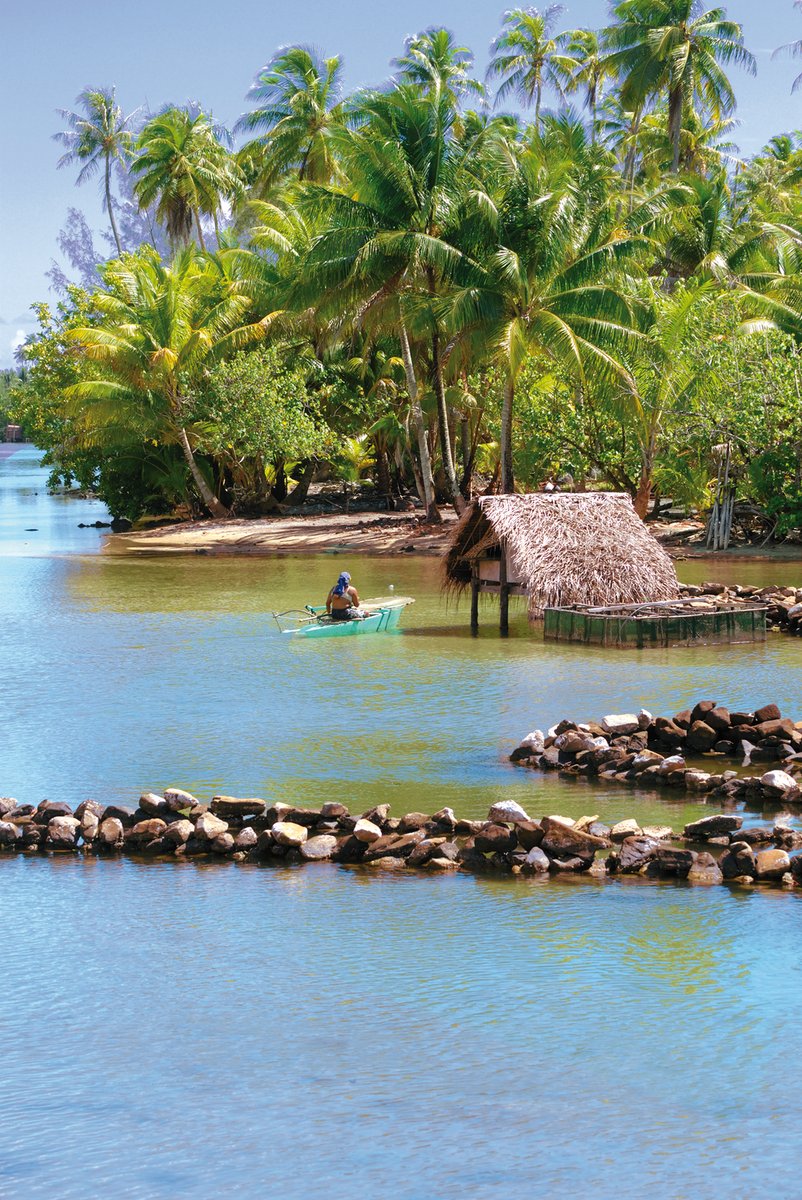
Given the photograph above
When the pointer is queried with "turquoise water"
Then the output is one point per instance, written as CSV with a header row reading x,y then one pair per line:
x,y
197,1031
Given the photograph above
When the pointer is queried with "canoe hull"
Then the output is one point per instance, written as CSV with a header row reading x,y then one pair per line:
x,y
384,616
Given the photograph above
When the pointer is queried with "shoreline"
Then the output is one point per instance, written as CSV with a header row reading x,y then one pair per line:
x,y
367,533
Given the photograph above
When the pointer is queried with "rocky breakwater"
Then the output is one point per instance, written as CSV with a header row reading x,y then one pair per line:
x,y
644,751
783,604
176,826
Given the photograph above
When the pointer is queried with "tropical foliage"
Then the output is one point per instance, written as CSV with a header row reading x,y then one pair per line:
x,y
431,286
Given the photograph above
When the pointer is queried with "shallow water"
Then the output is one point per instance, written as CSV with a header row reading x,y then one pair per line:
x,y
194,1031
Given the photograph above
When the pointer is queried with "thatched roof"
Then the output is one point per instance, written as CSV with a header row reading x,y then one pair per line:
x,y
564,549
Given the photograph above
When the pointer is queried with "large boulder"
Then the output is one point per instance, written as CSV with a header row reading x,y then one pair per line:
x,y
233,806
179,832
247,838
701,737
536,862
779,783
507,812
620,724
564,841
177,799
111,832
210,827
10,834
145,831
625,829
287,833
153,805
705,870
495,839
673,861
737,861
51,808
771,864
367,831
635,853
533,744
395,845
715,826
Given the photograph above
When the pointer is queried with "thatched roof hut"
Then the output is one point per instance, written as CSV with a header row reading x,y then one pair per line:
x,y
560,549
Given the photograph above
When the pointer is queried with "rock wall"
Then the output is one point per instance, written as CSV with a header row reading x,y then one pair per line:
x,y
783,604
176,826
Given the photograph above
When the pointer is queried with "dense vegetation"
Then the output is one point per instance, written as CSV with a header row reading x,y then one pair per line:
x,y
408,284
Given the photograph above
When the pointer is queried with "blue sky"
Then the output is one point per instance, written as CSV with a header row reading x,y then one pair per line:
x,y
156,51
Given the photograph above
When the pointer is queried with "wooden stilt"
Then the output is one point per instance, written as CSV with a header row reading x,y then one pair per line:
x,y
475,601
504,596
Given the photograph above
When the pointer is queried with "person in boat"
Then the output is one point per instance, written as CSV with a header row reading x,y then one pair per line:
x,y
342,602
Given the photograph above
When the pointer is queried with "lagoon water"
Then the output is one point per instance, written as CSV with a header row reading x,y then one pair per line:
x,y
186,1030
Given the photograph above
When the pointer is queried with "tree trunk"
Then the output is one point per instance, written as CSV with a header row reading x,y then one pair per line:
x,y
301,489
675,106
432,511
201,242
507,477
113,223
383,481
207,495
643,495
457,498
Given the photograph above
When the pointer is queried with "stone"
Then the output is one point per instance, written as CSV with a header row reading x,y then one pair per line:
x,y
318,848
388,864
145,831
786,838
397,845
715,826
332,810
379,814
645,718
779,782
223,843
177,799
564,841
701,737
699,711
769,712
7,805
572,743
111,832
302,816
276,812
530,833
233,806
534,743
635,852
758,835
350,849
153,805
86,806
210,827
441,863
771,864
646,758
496,839
659,833
705,870
412,821
675,762
9,834
366,831
570,865
718,718
673,861
620,724
445,818
668,733
62,832
287,833
51,808
697,781
425,850
507,811
179,832
247,838
737,861
89,825
625,829
597,869
796,867
118,812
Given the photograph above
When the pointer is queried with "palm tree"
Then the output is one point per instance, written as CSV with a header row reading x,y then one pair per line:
x,y
101,133
297,98
434,62
185,170
158,329
673,47
548,286
794,49
524,55
584,65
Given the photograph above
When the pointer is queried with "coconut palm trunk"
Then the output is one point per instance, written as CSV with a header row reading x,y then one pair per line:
x,y
457,499
507,477
109,208
675,107
432,511
215,507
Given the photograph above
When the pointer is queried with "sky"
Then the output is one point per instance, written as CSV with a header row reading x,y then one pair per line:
x,y
159,51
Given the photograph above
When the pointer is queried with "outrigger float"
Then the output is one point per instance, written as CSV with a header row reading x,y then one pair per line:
x,y
380,615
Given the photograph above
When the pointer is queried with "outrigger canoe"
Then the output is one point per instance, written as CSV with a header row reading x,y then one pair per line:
x,y
381,615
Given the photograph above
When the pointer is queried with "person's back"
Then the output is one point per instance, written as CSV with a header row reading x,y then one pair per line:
x,y
342,602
